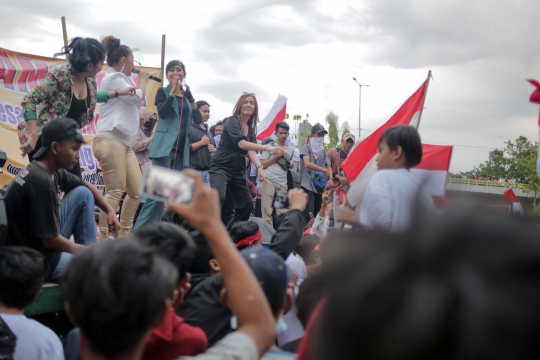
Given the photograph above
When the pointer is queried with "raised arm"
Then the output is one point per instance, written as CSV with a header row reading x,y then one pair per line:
x,y
291,228
247,299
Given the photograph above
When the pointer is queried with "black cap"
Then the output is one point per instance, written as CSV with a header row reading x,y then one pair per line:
x,y
54,131
318,128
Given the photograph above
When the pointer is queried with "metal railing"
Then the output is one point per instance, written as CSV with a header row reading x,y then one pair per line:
x,y
486,183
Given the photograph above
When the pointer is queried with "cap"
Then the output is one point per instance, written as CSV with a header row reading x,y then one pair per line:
x,y
318,128
349,136
271,272
54,131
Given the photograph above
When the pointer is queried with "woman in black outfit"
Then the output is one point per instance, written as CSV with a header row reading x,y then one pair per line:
x,y
227,170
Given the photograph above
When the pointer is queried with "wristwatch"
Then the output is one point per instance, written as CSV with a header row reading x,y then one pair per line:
x,y
259,167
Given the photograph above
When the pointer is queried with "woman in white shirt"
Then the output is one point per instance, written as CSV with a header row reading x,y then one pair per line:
x,y
118,124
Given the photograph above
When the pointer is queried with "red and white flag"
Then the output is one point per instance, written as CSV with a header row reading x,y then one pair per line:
x,y
535,98
276,114
360,165
433,169
512,199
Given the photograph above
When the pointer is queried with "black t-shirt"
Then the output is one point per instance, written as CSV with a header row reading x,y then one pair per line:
x,y
228,145
32,207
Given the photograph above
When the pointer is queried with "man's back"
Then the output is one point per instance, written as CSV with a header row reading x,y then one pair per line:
x,y
29,196
34,341
390,200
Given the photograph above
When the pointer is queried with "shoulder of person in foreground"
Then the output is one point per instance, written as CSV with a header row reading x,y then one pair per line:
x,y
235,346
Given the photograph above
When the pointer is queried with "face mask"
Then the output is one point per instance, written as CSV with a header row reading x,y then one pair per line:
x,y
149,125
317,141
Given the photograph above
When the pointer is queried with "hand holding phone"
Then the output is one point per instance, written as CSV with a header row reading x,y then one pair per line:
x,y
167,185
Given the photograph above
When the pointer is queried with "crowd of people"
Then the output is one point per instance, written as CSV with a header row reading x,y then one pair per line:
x,y
253,266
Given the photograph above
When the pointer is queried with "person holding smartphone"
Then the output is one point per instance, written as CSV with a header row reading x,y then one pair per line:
x,y
171,146
227,170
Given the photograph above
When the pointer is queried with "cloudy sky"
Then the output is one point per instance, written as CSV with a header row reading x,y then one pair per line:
x,y
480,52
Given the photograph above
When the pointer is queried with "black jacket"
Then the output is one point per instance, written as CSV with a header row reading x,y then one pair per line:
x,y
203,308
199,159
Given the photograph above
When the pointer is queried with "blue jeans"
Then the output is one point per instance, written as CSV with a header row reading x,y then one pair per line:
x,y
205,175
76,215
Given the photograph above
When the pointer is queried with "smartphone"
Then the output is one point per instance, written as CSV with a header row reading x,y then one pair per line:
x,y
166,185
281,200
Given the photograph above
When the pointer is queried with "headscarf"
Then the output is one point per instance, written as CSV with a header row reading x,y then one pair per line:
x,y
148,124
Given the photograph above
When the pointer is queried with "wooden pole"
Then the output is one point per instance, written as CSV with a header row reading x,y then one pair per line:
x,y
64,31
163,56
423,100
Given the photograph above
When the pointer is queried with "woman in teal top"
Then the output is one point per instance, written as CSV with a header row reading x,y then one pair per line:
x,y
170,147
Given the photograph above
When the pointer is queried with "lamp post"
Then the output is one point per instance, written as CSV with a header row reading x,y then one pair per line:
x,y
359,108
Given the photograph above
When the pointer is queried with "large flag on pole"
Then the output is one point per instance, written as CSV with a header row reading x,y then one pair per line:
x,y
277,114
535,98
360,165
432,171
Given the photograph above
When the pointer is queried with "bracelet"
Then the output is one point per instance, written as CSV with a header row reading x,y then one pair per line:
x,y
264,147
260,167
116,94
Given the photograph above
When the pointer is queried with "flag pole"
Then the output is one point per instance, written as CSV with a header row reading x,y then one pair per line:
x,y
163,37
423,100
64,32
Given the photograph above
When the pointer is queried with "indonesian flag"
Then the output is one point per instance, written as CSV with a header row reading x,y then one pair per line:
x,y
516,205
433,170
535,98
360,165
277,114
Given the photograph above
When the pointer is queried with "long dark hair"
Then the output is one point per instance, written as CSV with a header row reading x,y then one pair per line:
x,y
80,52
253,119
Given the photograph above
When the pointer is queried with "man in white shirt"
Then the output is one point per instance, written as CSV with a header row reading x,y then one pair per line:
x,y
22,272
276,168
394,198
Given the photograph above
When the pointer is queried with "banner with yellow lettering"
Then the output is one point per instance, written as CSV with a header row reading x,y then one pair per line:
x,y
20,73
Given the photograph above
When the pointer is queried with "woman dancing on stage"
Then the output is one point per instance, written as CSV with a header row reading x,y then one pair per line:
x,y
118,124
170,147
69,91
227,171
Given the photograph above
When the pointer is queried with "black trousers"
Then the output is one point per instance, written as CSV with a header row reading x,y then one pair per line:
x,y
313,205
232,181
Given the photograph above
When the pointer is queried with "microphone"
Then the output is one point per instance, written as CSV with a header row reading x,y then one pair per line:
x,y
151,77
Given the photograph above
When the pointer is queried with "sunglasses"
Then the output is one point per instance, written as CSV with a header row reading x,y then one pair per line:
x,y
250,94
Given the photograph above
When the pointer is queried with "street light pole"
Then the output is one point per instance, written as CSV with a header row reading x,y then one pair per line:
x,y
360,108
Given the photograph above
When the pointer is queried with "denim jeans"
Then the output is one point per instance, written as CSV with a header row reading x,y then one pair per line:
x,y
76,215
205,175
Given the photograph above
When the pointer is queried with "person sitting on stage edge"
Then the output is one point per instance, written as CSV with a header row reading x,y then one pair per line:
x,y
35,217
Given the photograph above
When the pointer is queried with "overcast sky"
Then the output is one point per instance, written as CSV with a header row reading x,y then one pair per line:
x,y
480,52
